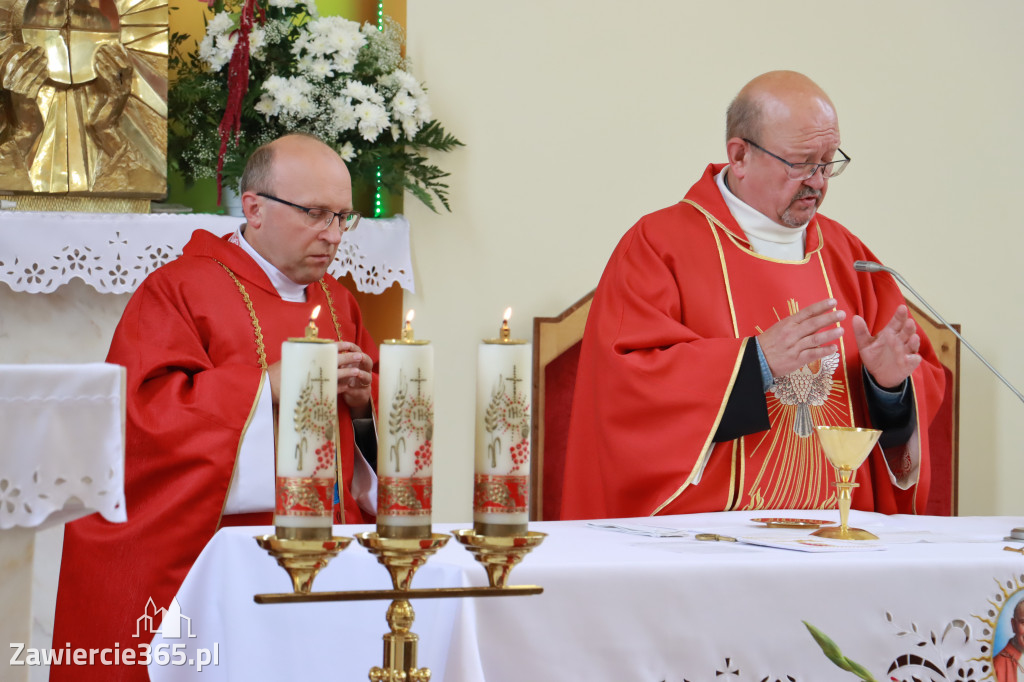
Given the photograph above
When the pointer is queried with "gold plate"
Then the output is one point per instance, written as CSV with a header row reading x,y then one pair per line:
x,y
792,523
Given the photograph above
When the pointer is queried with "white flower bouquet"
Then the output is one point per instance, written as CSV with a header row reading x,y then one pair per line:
x,y
270,67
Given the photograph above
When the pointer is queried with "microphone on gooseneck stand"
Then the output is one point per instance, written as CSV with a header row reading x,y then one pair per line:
x,y
871,266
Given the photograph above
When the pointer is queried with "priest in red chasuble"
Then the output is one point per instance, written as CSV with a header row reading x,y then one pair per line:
x,y
727,326
201,340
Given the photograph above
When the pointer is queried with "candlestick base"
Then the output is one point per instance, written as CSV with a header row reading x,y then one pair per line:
x,y
400,647
499,554
402,556
302,559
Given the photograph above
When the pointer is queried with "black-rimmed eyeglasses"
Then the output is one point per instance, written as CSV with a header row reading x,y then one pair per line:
x,y
805,171
320,218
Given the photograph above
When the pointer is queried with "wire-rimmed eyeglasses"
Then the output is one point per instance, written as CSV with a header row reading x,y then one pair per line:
x,y
805,171
320,218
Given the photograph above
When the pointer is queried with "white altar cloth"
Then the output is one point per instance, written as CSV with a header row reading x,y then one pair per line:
x,y
61,443
621,607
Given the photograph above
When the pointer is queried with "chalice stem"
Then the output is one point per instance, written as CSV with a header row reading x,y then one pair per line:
x,y
845,499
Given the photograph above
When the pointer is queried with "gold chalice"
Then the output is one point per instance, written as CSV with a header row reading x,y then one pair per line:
x,y
846,448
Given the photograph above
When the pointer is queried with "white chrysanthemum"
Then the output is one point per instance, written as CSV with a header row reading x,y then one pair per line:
x,y
320,69
410,125
368,29
221,22
403,104
344,64
343,114
363,92
257,41
274,84
217,53
408,82
267,107
347,152
206,48
304,64
373,120
319,45
292,95
423,111
284,4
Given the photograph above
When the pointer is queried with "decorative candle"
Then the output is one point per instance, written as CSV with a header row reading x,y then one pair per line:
x,y
405,464
307,436
501,491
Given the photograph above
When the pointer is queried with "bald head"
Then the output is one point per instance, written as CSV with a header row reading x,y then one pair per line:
x,y
771,99
281,183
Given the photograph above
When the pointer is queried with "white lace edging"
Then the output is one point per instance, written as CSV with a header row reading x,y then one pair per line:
x,y
113,252
62,453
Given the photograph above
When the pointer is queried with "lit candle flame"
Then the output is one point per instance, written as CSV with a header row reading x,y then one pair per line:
x,y
311,329
505,331
407,333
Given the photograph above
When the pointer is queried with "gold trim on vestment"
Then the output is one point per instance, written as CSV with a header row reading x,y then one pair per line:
x,y
842,345
262,355
260,349
330,306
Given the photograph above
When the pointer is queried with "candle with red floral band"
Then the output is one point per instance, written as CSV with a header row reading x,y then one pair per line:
x,y
307,436
405,434
501,490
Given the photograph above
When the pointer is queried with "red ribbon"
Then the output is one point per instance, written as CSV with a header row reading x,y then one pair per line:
x,y
238,84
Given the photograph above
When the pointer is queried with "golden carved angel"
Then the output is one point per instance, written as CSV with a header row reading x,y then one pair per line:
x,y
83,97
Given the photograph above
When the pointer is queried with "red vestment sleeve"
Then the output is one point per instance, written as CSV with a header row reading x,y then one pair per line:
x,y
650,389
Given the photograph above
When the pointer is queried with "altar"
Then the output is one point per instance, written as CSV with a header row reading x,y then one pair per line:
x,y
928,601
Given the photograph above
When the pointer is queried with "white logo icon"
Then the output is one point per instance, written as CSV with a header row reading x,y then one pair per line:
x,y
171,625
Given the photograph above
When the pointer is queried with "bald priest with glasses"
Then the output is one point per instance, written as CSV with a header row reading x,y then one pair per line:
x,y
727,326
201,341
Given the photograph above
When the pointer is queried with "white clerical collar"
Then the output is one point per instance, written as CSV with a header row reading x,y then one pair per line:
x,y
766,236
286,288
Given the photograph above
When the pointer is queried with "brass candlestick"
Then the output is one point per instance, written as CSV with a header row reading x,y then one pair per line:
x,y
402,557
846,448
302,558
499,554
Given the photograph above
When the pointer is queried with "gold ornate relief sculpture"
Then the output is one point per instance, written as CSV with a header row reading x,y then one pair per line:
x,y
83,97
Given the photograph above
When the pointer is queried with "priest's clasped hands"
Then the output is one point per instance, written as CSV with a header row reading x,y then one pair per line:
x,y
809,334
355,378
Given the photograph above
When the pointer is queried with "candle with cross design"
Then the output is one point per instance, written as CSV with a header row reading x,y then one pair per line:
x,y
405,434
501,490
307,436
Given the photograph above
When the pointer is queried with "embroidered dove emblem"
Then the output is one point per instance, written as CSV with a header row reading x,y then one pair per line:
x,y
809,385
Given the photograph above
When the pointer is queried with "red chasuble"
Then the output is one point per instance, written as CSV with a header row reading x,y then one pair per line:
x,y
189,340
678,302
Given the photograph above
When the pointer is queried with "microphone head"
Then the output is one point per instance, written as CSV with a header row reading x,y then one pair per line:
x,y
867,266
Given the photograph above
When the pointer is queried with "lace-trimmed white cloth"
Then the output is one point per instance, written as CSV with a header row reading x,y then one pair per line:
x,y
61,443
113,252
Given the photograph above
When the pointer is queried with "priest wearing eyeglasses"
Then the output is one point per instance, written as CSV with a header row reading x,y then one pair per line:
x,y
727,326
201,340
